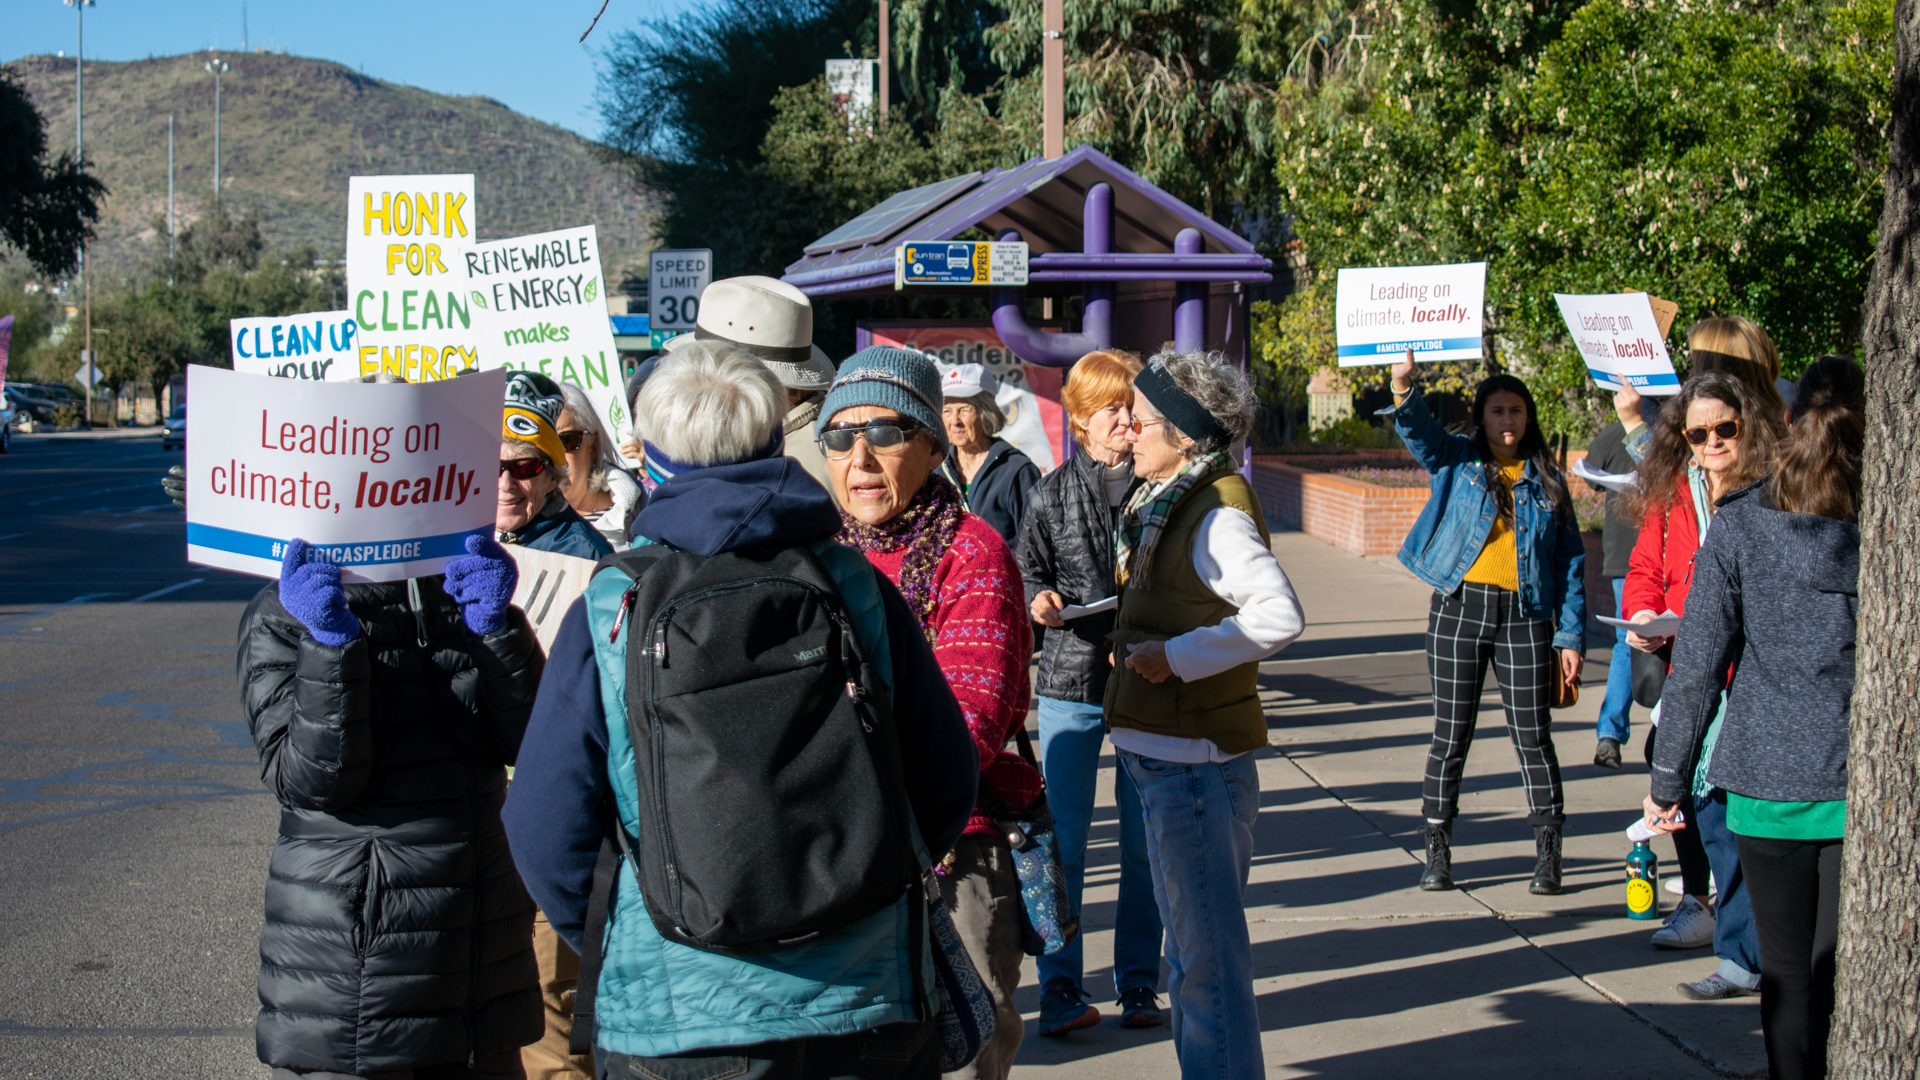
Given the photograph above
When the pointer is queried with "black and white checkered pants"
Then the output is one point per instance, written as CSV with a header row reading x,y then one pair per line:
x,y
1477,624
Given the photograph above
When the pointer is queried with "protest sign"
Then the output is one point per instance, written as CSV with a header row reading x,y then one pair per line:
x,y
541,304
1028,393
1383,311
1620,340
385,480
315,347
548,585
407,239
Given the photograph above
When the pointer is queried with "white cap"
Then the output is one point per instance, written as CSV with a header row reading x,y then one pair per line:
x,y
965,381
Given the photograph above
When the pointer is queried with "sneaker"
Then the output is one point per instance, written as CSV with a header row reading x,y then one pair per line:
x,y
1607,754
1140,1008
1675,886
1064,1008
1689,927
1713,988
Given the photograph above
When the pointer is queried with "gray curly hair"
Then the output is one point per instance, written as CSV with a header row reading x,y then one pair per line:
x,y
1217,384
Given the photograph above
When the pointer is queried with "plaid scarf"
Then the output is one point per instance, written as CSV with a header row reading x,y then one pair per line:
x,y
1146,515
926,528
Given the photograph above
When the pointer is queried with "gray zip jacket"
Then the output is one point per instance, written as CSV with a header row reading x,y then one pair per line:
x,y
1778,592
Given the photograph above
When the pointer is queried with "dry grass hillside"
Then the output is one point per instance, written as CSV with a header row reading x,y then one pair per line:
x,y
292,130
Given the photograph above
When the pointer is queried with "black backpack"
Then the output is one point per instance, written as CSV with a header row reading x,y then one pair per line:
x,y
773,807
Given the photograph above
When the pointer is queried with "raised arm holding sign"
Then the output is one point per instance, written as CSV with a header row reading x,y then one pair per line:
x,y
385,481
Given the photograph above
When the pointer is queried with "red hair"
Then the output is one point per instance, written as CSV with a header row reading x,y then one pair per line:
x,y
1101,378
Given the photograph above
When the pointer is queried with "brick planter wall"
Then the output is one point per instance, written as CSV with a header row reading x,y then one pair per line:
x,y
1363,518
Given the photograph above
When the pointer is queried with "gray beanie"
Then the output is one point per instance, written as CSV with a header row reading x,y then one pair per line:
x,y
898,379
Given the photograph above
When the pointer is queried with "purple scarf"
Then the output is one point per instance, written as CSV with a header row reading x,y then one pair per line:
x,y
926,528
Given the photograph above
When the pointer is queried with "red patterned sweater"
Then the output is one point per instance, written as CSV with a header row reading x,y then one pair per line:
x,y
984,645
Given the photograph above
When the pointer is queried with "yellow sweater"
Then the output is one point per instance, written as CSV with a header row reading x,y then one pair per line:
x,y
1497,564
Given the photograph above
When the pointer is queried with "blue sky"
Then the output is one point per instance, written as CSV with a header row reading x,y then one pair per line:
x,y
527,55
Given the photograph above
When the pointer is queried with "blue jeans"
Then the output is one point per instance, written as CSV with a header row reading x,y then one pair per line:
x,y
1200,844
1071,736
1613,708
1736,940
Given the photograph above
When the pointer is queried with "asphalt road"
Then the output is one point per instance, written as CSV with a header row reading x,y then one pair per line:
x,y
134,831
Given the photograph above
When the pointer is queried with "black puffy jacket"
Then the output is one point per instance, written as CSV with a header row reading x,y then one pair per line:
x,y
397,931
1066,544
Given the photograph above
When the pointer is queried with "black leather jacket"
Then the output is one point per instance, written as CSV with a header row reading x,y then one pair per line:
x,y
397,931
1066,544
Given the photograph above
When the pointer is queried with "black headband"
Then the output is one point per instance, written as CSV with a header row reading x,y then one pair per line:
x,y
1720,360
1179,407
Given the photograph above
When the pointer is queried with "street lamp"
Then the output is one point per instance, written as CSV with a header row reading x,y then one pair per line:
x,y
79,138
218,67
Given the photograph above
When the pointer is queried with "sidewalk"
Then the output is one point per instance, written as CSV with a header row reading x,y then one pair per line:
x,y
1359,974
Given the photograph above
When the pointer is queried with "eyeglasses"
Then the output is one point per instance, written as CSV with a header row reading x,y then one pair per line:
x,y
572,440
1139,426
884,436
1728,430
525,468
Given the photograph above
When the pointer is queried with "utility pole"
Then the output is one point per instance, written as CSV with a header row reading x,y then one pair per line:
x,y
79,152
1053,64
886,59
171,232
218,67
243,25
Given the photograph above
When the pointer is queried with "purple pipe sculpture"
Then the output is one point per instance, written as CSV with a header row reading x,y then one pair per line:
x,y
1189,299
1096,320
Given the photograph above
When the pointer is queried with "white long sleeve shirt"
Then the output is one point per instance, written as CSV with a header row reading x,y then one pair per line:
x,y
1236,565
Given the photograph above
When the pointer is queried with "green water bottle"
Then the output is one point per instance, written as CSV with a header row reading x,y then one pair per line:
x,y
1643,882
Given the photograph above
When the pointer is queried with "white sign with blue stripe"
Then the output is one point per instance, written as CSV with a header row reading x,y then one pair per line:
x,y
1620,340
1383,311
387,480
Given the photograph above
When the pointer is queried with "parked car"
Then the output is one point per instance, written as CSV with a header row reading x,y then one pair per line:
x,y
27,405
174,431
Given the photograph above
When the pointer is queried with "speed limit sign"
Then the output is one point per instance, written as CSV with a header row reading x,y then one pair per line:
x,y
676,280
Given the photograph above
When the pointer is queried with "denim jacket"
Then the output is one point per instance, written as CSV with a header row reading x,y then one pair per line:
x,y
1459,516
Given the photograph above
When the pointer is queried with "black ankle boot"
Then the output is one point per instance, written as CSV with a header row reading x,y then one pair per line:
x,y
1439,872
1546,869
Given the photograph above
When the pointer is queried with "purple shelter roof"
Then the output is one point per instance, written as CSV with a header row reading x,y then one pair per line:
x,y
1043,199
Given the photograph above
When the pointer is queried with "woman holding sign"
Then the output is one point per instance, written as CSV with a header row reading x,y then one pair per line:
x,y
1500,545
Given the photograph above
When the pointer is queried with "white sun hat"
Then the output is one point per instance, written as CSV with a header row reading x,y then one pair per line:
x,y
770,319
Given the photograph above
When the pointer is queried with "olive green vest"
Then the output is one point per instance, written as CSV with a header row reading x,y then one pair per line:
x,y
1224,708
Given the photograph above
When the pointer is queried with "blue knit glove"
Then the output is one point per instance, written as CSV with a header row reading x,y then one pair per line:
x,y
311,592
482,584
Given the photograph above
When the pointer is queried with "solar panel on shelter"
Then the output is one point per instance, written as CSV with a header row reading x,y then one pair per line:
x,y
892,215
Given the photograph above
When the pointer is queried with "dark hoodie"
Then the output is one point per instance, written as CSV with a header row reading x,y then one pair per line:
x,y
998,494
562,779
1777,592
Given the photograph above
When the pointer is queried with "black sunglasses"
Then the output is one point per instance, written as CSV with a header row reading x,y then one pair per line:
x,y
571,440
887,435
1726,429
525,468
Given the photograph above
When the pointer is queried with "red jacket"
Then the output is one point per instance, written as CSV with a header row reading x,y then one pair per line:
x,y
1660,570
984,644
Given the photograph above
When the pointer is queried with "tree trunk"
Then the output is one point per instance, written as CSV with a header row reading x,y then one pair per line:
x,y
1876,1021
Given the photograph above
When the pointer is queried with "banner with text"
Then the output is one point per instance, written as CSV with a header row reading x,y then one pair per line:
x,y
315,347
1619,337
1028,393
407,240
541,305
385,480
1383,311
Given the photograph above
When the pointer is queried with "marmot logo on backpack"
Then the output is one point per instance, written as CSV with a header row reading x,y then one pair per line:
x,y
810,655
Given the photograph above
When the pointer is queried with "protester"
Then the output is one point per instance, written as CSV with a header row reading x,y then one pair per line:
x,y
1775,591
992,477
774,321
881,433
1202,602
845,1002
1499,544
386,715
1681,480
630,449
532,511
1065,553
1609,453
597,488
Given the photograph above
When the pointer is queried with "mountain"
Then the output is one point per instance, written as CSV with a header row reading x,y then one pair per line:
x,y
293,129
